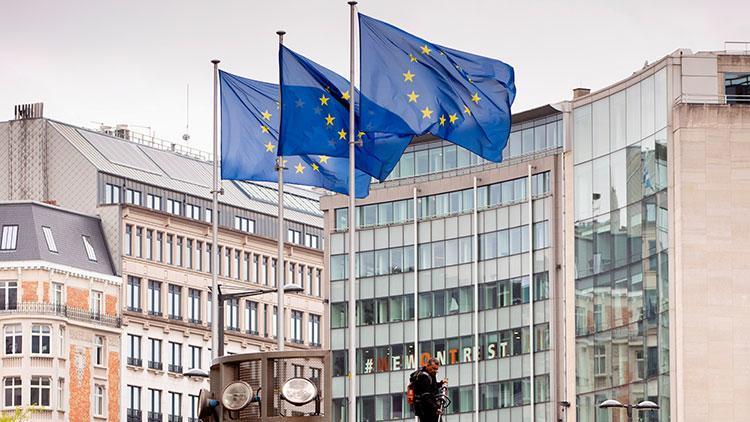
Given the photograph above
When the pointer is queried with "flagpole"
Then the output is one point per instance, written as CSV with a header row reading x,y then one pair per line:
x,y
215,329
532,371
475,321
352,195
280,270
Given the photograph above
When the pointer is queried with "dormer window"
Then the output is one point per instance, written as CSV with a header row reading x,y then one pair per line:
x,y
89,249
51,245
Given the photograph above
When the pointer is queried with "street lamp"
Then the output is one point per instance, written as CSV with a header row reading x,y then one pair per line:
x,y
288,288
644,405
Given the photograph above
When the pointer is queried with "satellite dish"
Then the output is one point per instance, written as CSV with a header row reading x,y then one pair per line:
x,y
205,404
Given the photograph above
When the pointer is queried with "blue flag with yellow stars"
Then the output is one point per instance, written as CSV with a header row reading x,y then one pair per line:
x,y
250,139
315,118
457,96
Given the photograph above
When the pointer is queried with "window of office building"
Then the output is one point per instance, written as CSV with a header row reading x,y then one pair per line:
x,y
40,391
51,245
134,294
9,238
313,334
111,194
154,298
99,396
133,197
8,295
194,306
296,326
174,207
134,350
13,335
244,224
174,302
251,317
12,392
155,359
41,339
175,360
99,351
153,202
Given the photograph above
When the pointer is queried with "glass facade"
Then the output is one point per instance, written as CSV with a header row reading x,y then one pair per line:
x,y
538,136
622,250
445,255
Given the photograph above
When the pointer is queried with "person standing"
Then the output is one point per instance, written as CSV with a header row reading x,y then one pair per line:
x,y
426,390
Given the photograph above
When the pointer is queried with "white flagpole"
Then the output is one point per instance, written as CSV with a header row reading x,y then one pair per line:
x,y
352,275
532,382
215,328
475,324
416,285
280,270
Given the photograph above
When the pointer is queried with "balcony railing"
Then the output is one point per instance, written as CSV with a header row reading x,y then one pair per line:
x,y
135,361
64,311
175,368
195,321
155,417
135,415
155,365
173,418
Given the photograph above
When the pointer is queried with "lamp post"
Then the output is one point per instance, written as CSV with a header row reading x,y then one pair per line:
x,y
288,288
644,405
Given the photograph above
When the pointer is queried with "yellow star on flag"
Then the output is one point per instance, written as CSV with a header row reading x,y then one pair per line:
x,y
324,100
345,95
329,120
315,167
300,168
412,58
413,97
360,134
466,110
426,50
283,162
269,147
426,113
342,134
323,159
408,76
453,117
266,115
264,128
475,98
442,120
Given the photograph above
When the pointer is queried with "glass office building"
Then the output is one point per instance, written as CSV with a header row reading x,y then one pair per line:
x,y
441,177
622,248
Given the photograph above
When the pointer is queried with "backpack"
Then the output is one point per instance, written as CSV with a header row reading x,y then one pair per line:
x,y
410,393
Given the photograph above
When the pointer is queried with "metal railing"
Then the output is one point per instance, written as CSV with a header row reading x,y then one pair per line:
x,y
164,145
744,47
135,362
64,311
175,368
155,365
712,99
134,415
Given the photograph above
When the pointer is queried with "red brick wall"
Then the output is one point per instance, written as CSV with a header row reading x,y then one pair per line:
x,y
80,383
113,392
111,305
78,298
45,290
29,291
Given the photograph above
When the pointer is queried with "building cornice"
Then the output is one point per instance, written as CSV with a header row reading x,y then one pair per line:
x,y
61,269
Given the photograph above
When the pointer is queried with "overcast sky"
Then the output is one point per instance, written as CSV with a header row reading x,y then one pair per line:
x,y
130,61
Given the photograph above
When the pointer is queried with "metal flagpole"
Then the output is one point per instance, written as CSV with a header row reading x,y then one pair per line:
x,y
352,276
531,293
215,340
475,229
280,270
416,287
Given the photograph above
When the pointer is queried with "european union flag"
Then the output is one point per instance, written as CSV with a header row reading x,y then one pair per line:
x,y
250,135
457,96
315,118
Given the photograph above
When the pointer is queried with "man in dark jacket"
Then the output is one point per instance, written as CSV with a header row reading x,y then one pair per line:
x,y
426,390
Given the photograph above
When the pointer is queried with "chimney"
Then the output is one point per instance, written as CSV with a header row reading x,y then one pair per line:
x,y
28,111
580,92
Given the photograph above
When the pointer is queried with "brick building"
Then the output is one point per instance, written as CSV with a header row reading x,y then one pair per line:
x,y
59,314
